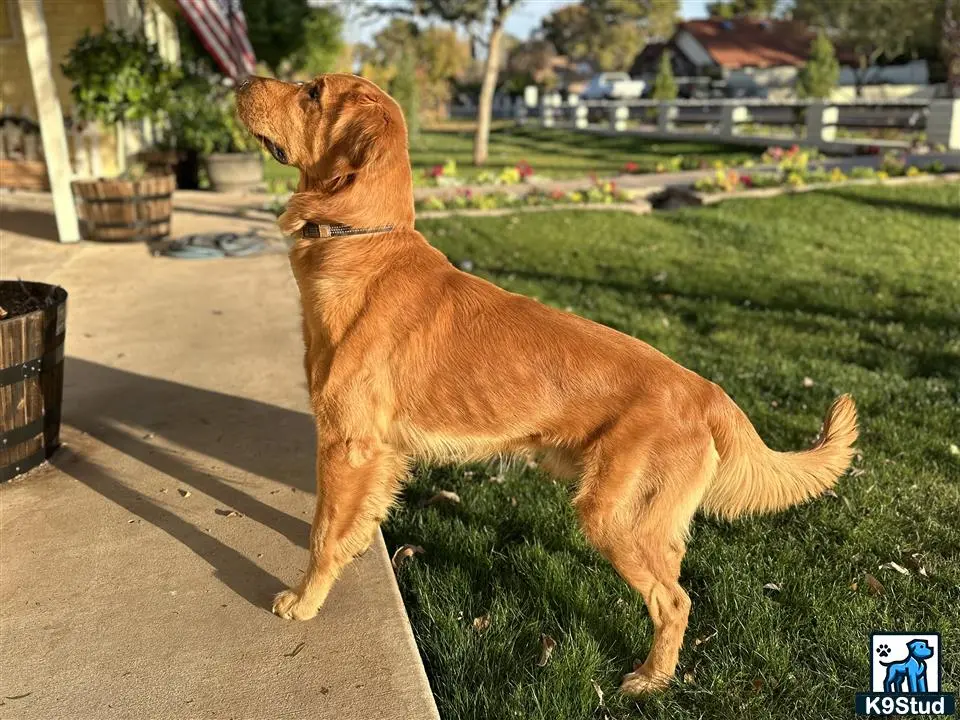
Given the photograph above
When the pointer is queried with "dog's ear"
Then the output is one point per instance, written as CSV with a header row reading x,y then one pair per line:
x,y
356,142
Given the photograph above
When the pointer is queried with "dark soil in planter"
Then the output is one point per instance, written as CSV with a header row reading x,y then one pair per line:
x,y
20,298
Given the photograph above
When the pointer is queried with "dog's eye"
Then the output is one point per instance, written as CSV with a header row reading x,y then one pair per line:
x,y
314,92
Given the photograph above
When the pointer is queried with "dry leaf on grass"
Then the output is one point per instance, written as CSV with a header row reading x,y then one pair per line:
x,y
757,684
808,382
480,624
443,496
895,566
598,691
954,450
873,585
773,587
703,639
497,479
830,492
688,678
547,644
228,513
914,562
404,552
856,472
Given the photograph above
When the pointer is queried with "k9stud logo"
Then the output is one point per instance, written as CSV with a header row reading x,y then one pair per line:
x,y
905,676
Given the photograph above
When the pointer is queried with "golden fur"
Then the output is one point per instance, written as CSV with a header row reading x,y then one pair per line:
x,y
407,357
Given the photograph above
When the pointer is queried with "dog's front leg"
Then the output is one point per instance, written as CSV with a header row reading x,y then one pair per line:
x,y
356,483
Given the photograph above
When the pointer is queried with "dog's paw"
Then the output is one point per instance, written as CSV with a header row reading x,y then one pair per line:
x,y
290,606
640,682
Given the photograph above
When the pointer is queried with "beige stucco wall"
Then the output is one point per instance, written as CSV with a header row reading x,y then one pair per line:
x,y
67,20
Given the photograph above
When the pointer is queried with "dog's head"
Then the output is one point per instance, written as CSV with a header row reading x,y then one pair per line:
x,y
345,135
920,649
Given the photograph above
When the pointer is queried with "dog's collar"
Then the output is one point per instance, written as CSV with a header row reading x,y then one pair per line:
x,y
315,230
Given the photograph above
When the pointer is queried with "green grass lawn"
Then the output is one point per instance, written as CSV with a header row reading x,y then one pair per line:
x,y
554,153
857,289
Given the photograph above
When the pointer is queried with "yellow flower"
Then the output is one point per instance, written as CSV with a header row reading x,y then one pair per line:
x,y
913,171
883,175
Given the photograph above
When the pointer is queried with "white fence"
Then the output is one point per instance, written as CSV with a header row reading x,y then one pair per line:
x,y
832,127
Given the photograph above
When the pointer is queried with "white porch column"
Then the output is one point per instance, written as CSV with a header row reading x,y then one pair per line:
x,y
52,133
943,124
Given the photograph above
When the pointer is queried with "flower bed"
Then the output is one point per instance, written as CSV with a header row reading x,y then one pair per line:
x,y
601,193
794,169
446,175
680,163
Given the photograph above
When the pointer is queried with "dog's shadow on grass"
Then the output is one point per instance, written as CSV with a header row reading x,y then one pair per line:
x,y
157,423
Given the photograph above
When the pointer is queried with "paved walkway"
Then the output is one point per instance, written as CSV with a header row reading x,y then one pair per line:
x,y
138,569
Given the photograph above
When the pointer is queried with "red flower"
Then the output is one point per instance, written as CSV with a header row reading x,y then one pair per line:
x,y
746,181
468,193
631,167
436,171
794,149
523,167
557,195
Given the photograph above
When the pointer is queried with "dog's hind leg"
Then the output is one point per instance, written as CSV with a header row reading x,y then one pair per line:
x,y
357,481
636,508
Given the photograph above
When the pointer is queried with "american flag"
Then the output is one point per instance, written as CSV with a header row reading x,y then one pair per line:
x,y
222,29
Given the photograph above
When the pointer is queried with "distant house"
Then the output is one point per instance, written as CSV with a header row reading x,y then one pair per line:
x,y
752,56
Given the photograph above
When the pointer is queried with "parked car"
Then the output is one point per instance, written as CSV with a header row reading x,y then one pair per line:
x,y
613,86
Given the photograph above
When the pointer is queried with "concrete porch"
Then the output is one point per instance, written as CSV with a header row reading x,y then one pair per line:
x,y
137,570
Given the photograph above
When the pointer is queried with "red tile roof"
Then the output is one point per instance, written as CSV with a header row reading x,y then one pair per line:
x,y
758,43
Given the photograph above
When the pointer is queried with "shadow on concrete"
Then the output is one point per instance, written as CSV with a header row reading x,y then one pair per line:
x,y
236,571
141,416
38,224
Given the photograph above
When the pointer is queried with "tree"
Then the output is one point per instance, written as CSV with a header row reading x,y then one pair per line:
x,y
484,19
950,43
276,29
608,33
405,90
742,8
322,47
665,85
819,76
531,62
874,30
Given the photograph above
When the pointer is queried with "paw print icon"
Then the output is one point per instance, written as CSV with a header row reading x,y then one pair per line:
x,y
883,650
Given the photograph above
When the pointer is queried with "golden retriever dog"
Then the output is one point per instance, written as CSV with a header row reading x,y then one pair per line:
x,y
409,358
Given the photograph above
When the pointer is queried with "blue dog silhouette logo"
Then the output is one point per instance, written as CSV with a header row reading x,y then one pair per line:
x,y
910,673
905,677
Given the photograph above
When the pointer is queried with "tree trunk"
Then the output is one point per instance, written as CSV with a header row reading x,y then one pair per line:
x,y
485,109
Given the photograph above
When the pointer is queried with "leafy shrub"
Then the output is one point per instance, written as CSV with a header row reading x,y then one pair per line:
x,y
118,76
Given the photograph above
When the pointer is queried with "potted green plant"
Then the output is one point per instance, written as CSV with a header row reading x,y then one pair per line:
x,y
117,77
205,132
236,163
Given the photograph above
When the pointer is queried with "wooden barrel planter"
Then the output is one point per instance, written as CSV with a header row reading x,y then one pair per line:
x,y
126,210
32,329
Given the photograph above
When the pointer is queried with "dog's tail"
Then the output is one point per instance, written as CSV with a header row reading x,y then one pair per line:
x,y
752,478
